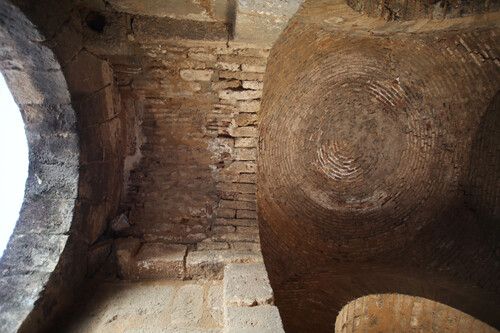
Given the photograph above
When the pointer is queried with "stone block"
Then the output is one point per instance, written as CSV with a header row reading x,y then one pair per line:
x,y
13,318
159,261
20,291
187,308
246,132
208,245
223,229
254,85
45,215
249,229
215,301
186,9
196,75
237,187
237,222
234,204
32,252
224,84
258,29
96,108
250,178
246,214
87,74
160,29
256,319
249,106
210,264
228,66
97,255
246,154
240,95
202,56
237,237
245,142
246,285
37,87
240,167
245,119
241,75
284,9
244,246
224,10
54,119
253,68
125,250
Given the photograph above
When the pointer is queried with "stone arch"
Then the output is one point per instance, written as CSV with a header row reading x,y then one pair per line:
x,y
403,313
37,83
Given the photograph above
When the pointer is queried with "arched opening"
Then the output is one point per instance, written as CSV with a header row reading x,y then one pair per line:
x,y
403,313
14,165
39,88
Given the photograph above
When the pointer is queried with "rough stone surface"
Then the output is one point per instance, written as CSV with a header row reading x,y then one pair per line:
x,y
215,299
39,88
188,305
246,285
156,260
265,319
263,21
210,264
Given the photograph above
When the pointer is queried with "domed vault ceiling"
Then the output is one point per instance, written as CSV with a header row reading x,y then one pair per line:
x,y
369,147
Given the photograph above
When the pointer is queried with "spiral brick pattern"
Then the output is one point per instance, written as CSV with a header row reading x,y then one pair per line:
x,y
366,148
355,144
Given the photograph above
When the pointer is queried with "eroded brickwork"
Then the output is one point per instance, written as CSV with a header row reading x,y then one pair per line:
x,y
197,105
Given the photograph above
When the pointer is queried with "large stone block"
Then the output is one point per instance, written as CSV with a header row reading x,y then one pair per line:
x,y
125,250
160,261
246,285
30,252
187,308
182,9
284,9
210,264
45,215
215,301
37,87
19,291
87,74
154,28
256,319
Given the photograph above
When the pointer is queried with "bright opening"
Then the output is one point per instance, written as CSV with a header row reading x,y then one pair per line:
x,y
13,163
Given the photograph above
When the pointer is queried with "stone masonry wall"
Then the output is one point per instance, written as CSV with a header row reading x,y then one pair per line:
x,y
192,159
403,313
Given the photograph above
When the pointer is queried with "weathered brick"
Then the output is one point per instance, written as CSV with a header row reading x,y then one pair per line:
x,y
246,154
196,75
254,85
253,68
227,213
241,166
246,214
237,204
246,119
240,95
246,132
